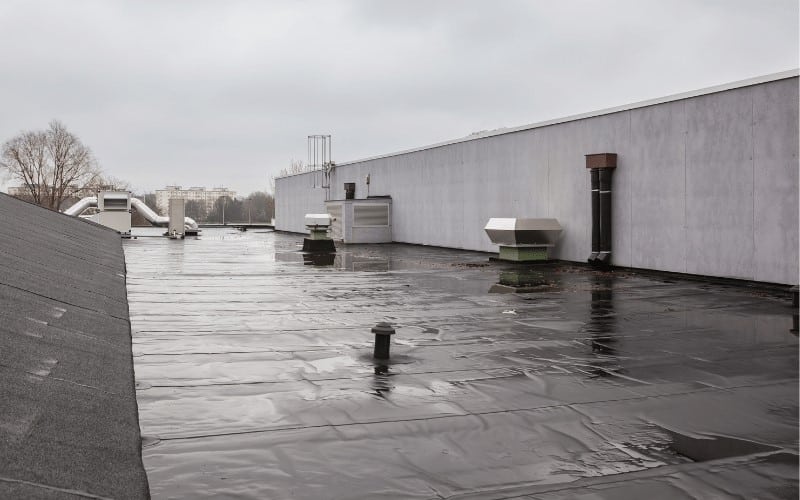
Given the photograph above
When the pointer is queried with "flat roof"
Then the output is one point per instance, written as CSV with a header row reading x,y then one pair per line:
x,y
255,375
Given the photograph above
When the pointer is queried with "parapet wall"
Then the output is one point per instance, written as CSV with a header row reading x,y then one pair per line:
x,y
706,183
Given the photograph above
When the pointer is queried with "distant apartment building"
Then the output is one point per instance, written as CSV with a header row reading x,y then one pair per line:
x,y
18,191
201,194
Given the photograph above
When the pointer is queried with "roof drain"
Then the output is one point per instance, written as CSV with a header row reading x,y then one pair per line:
x,y
601,166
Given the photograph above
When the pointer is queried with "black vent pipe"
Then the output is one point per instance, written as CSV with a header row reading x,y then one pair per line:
x,y
601,166
595,175
605,215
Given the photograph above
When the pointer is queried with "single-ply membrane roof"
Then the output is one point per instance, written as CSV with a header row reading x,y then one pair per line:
x,y
255,376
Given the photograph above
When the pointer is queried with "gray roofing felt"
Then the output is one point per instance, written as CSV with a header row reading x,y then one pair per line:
x,y
256,379
68,415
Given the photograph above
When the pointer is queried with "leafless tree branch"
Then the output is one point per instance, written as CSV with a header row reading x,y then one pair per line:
x,y
50,164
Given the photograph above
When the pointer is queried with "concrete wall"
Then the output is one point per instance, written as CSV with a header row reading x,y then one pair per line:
x,y
706,184
299,195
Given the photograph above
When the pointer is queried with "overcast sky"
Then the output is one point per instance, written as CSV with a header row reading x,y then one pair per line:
x,y
224,93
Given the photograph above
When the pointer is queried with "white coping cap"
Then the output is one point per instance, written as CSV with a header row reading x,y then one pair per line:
x,y
318,220
520,224
522,231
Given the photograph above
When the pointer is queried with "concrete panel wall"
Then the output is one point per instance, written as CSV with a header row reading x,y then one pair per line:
x,y
775,161
719,184
706,185
299,195
658,190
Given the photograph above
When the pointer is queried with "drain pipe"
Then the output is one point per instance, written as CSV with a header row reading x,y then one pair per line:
x,y
605,216
595,175
601,166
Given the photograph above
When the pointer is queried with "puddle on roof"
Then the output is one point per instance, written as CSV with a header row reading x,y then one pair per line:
x,y
524,280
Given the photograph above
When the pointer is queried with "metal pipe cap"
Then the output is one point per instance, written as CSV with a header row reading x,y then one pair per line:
x,y
383,328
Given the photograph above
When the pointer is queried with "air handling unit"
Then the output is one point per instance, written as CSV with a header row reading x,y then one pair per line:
x,y
366,220
523,240
115,211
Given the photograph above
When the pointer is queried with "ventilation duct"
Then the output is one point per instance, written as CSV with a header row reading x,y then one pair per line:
x,y
601,166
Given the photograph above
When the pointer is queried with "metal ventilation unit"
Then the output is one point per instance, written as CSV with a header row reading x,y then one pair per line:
x,y
115,211
367,220
177,214
523,240
318,226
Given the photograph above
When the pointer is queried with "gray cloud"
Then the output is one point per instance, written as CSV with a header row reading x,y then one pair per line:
x,y
224,93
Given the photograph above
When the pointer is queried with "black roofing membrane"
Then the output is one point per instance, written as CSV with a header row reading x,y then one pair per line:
x,y
255,376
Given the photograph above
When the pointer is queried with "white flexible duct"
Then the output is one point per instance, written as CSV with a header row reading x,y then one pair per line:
x,y
83,204
147,212
158,220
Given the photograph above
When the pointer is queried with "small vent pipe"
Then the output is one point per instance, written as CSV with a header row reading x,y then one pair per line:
x,y
601,166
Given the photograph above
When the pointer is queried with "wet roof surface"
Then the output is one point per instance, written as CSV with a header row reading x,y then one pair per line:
x,y
68,417
256,379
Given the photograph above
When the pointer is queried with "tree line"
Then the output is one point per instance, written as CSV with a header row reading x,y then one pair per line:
x,y
54,169
256,207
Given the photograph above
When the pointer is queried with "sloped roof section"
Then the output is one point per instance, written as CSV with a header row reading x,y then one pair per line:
x,y
68,414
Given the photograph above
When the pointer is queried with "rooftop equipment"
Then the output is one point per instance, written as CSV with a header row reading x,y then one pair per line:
x,y
366,220
114,204
318,240
115,211
523,240
383,337
177,214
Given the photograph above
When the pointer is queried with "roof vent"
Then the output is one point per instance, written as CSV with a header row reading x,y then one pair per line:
x,y
523,240
318,240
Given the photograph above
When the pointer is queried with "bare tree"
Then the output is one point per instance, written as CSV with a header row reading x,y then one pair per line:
x,y
196,210
226,210
50,164
103,182
295,167
258,207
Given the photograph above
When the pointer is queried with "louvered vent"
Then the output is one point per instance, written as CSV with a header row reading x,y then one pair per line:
x,y
371,215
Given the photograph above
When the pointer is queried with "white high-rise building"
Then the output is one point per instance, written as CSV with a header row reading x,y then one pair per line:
x,y
201,194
